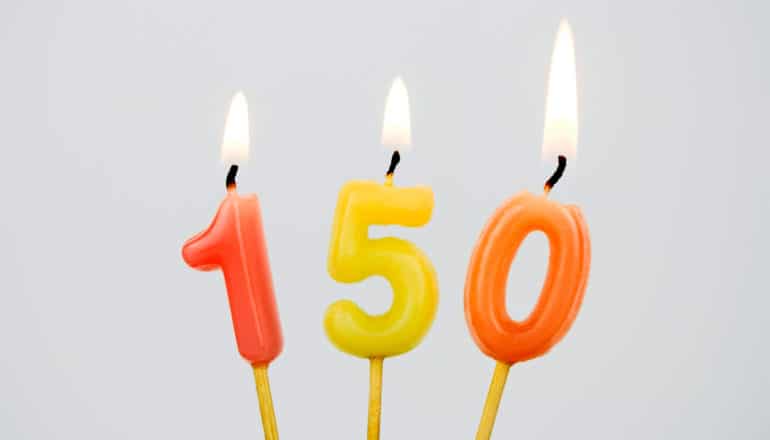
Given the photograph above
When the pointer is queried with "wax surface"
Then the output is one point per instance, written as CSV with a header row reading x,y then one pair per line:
x,y
353,257
496,334
235,243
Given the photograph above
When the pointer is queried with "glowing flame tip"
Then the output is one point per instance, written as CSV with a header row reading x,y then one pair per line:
x,y
561,119
235,142
396,126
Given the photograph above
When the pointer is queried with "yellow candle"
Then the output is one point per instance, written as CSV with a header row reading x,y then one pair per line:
x,y
353,257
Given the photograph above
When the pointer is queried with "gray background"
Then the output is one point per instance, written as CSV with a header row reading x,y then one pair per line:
x,y
112,115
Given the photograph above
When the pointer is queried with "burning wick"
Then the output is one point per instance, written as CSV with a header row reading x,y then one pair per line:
x,y
556,174
394,160
230,180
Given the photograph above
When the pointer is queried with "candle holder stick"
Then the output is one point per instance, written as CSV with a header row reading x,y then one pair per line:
x,y
494,395
269,425
375,398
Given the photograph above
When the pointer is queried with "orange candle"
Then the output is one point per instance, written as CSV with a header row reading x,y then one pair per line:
x,y
235,243
497,335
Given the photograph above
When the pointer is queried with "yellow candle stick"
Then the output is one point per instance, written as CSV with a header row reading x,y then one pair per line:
x,y
375,399
269,425
494,395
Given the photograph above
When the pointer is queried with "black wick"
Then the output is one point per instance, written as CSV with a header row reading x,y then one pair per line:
x,y
230,180
556,174
394,160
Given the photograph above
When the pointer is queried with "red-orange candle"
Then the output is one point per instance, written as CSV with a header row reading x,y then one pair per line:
x,y
235,244
506,340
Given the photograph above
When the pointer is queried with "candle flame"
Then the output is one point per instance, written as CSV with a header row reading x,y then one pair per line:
x,y
561,121
396,126
235,143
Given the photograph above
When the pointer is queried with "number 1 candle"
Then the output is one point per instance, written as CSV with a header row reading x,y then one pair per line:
x,y
496,334
353,257
235,243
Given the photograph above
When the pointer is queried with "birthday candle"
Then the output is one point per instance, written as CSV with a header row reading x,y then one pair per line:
x,y
235,243
353,257
497,335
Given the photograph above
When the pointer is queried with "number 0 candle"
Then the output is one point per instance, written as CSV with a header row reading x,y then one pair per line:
x,y
235,243
497,335
353,257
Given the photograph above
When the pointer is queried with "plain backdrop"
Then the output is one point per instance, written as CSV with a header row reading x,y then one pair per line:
x,y
111,116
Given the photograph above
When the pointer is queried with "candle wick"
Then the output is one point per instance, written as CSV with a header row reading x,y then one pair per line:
x,y
230,180
394,160
556,174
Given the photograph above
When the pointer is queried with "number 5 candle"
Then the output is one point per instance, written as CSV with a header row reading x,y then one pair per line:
x,y
235,243
353,257
496,334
